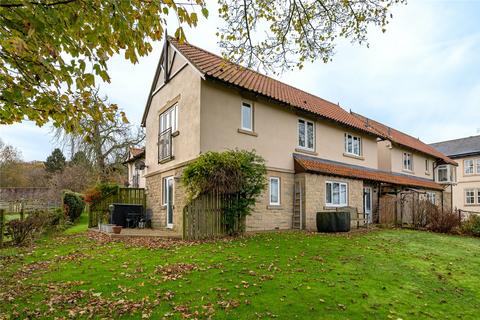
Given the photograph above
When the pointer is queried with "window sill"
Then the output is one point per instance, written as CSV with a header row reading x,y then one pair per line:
x,y
166,160
307,151
354,156
247,132
408,171
274,207
334,207
427,173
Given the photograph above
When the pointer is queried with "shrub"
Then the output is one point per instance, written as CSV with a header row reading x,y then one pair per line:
x,y
52,220
95,194
73,205
443,222
241,175
472,226
23,231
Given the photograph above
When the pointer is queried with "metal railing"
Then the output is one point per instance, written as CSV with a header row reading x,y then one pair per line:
x,y
165,145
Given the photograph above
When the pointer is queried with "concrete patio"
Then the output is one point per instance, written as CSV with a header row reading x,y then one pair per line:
x,y
146,232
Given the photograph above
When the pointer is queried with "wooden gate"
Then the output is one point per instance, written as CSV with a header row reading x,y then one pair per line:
x,y
388,210
204,217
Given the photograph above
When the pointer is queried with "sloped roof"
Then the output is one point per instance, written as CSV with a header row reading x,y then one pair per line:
x,y
313,164
404,139
215,67
459,147
135,153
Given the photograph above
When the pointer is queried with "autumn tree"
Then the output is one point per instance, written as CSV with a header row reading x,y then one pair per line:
x,y
106,145
53,53
56,161
14,172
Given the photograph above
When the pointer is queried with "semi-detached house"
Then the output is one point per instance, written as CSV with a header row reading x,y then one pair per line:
x,y
319,156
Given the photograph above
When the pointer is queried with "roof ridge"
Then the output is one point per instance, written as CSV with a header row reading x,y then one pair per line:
x,y
254,71
475,136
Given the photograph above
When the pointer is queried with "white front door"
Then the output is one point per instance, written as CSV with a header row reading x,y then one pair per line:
x,y
367,203
168,196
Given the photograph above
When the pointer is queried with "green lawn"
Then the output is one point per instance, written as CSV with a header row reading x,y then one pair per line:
x,y
385,274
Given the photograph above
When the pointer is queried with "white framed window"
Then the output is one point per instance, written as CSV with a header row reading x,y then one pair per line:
x,y
478,196
166,187
478,166
169,119
431,197
353,144
445,173
336,194
468,166
407,161
247,116
274,191
306,134
469,196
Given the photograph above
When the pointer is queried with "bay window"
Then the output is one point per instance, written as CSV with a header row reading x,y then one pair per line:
x,y
445,173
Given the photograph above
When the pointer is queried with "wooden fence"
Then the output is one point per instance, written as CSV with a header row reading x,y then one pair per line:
x,y
2,226
99,211
204,217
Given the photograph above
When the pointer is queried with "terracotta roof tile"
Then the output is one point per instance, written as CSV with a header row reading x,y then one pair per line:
x,y
405,139
319,165
216,67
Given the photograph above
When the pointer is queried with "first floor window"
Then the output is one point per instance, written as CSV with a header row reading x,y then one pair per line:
x,y
353,144
468,166
169,119
247,116
274,191
336,193
478,196
442,173
407,161
478,166
427,166
431,197
469,196
306,135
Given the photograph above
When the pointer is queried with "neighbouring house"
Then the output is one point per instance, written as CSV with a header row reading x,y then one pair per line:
x,y
319,157
401,153
466,193
136,167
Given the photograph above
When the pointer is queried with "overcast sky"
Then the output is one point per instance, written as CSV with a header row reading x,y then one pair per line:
x,y
422,76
